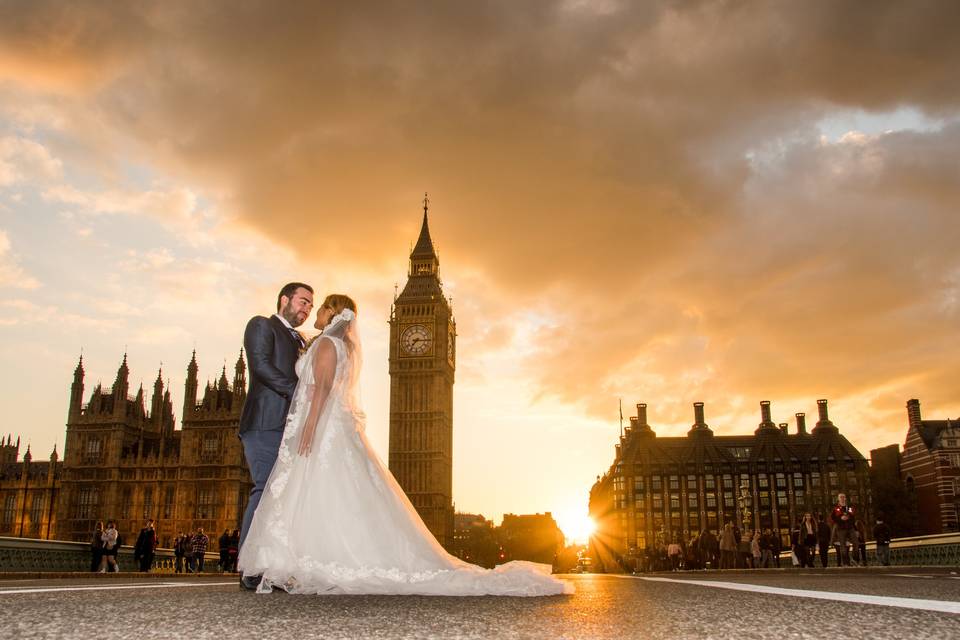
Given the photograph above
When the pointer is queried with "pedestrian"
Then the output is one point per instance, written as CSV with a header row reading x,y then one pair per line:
x,y
844,530
96,547
708,549
824,538
881,533
234,549
861,543
178,553
755,549
674,553
766,549
775,548
223,546
146,545
110,536
807,540
188,556
199,545
744,547
728,548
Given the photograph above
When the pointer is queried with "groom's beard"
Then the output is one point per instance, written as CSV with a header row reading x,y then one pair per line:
x,y
293,317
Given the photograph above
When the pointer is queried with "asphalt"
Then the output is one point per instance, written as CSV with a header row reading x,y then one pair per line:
x,y
672,605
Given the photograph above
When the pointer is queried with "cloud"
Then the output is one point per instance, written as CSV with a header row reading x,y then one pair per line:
x,y
24,160
11,273
634,196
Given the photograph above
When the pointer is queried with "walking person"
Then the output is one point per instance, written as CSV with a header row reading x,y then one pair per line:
x,y
755,550
199,548
775,548
824,539
673,551
223,546
766,549
146,545
96,547
882,535
178,553
844,530
233,549
188,556
110,543
728,548
861,542
807,540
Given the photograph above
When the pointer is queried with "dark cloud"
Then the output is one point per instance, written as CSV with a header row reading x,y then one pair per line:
x,y
649,173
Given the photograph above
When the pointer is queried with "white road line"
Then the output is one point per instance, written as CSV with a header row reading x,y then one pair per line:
x,y
909,575
884,601
154,585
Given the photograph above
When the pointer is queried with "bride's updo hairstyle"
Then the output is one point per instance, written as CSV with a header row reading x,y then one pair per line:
x,y
338,302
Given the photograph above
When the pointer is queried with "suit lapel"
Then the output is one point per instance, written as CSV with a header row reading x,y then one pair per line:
x,y
282,328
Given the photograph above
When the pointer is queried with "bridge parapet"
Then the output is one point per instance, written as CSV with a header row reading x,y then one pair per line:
x,y
28,554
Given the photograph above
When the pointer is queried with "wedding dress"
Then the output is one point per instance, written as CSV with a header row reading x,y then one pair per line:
x,y
335,521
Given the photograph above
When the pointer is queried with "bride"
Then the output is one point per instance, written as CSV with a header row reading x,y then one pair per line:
x,y
333,519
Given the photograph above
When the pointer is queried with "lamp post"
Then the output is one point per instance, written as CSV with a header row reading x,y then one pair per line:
x,y
745,499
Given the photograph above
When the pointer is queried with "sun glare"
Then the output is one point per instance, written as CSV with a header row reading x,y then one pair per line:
x,y
576,524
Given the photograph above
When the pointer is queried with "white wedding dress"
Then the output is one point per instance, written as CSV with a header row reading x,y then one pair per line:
x,y
336,522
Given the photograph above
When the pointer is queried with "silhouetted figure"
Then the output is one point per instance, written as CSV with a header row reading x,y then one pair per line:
x,y
882,534
96,547
824,539
146,545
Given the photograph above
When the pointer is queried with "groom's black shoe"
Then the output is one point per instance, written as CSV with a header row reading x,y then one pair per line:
x,y
249,582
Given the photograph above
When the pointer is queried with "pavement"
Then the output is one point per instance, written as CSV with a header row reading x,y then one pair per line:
x,y
765,604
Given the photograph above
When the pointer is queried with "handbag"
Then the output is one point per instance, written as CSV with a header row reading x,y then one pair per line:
x,y
794,559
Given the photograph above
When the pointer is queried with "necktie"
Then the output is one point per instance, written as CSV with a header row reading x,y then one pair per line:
x,y
296,336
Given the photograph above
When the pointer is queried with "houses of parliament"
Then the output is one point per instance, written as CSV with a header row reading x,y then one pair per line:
x,y
126,463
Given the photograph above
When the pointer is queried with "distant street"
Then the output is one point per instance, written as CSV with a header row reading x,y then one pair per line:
x,y
894,603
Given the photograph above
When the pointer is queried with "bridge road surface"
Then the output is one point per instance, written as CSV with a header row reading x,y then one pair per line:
x,y
775,604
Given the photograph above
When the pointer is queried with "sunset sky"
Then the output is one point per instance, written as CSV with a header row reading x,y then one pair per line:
x,y
665,202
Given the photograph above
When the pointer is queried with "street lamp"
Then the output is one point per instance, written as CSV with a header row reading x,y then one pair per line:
x,y
745,501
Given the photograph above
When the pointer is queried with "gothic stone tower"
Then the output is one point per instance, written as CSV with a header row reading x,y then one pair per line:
x,y
422,350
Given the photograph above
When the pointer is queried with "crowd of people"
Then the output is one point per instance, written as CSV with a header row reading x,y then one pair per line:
x,y
189,549
814,535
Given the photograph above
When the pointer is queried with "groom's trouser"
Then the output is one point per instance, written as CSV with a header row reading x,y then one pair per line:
x,y
260,449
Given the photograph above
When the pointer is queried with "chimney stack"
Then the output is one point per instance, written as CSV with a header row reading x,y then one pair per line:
x,y
642,414
823,424
913,414
783,428
801,423
698,420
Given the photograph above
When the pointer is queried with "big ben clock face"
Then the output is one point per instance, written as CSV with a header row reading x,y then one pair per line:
x,y
416,340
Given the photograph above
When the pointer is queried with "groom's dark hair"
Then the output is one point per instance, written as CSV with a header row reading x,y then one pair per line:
x,y
291,288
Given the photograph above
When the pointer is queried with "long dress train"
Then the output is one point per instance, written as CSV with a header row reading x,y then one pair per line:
x,y
337,522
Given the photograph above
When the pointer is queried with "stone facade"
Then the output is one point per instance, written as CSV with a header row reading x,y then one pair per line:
x,y
422,364
660,488
125,463
29,491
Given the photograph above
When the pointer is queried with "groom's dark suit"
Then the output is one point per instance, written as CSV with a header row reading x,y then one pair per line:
x,y
272,349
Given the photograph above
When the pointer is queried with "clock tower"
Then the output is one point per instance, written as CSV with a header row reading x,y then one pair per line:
x,y
422,362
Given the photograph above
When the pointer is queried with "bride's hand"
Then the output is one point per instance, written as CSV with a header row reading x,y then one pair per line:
x,y
306,439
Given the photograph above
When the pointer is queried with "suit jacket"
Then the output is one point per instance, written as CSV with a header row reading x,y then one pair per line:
x,y
272,352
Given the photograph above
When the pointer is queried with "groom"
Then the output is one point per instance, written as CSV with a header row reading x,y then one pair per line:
x,y
272,345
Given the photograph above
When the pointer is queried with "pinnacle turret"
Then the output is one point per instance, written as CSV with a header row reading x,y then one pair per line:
x,y
423,258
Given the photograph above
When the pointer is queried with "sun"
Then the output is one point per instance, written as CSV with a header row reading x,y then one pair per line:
x,y
576,524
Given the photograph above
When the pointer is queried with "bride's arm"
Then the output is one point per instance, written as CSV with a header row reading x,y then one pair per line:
x,y
324,369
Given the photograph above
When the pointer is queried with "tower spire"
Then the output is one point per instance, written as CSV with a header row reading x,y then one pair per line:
x,y
423,258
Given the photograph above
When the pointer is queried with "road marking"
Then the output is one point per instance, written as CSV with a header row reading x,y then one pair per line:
x,y
154,585
884,601
909,575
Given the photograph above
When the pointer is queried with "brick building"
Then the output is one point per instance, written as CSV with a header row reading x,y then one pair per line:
x,y
930,468
661,488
